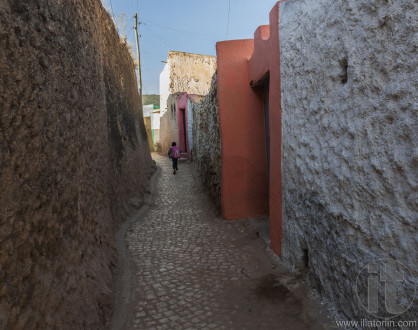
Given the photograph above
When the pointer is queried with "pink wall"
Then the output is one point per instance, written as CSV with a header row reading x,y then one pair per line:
x,y
242,64
182,106
244,190
182,109
266,60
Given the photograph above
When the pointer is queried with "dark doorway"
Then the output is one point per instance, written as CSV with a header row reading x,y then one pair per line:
x,y
267,125
184,129
264,87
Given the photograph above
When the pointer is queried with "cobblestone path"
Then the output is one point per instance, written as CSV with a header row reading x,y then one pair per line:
x,y
194,270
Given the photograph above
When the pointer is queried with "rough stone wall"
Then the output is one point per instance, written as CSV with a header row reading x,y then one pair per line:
x,y
191,73
169,131
349,81
206,150
187,73
73,151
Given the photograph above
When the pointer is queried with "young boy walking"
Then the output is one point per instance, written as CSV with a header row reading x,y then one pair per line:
x,y
174,153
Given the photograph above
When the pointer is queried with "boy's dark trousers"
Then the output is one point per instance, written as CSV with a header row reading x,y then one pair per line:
x,y
174,163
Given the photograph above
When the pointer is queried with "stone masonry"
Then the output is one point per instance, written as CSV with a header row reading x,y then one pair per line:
x,y
350,170
169,131
73,153
185,73
206,149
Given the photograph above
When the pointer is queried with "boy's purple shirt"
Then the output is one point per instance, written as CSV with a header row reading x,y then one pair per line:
x,y
171,149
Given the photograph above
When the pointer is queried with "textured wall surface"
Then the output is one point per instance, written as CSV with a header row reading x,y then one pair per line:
x,y
349,83
206,150
187,73
169,131
241,117
73,151
190,73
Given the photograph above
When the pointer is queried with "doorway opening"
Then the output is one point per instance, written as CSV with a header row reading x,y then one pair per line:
x,y
182,125
263,86
266,95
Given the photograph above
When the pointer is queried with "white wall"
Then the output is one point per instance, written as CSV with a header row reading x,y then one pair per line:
x,y
350,162
164,87
147,110
155,120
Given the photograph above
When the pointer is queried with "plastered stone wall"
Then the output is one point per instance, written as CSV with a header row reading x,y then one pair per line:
x,y
187,73
73,156
169,131
206,150
349,81
191,73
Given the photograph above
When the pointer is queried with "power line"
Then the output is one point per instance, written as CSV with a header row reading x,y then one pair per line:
x,y
154,34
227,24
139,54
188,33
177,30
111,7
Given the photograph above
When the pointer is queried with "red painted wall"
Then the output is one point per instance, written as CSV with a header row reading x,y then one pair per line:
x,y
266,59
244,168
242,64
182,108
182,105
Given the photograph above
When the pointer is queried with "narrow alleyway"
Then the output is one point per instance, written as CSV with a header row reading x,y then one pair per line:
x,y
194,270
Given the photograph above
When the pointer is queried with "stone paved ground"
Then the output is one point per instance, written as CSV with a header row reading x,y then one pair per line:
x,y
194,270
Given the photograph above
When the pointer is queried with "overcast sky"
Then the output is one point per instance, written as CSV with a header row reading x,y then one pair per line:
x,y
192,26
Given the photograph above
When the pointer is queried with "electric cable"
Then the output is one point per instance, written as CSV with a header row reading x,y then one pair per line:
x,y
111,7
154,34
188,33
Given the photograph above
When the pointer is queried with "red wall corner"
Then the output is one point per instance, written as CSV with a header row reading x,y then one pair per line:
x,y
244,171
242,63
265,60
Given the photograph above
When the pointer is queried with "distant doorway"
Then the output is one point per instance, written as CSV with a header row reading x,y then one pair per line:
x,y
184,129
182,125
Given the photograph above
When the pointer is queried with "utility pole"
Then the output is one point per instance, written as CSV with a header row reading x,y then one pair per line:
x,y
139,57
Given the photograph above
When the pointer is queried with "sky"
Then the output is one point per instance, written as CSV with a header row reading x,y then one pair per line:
x,y
192,26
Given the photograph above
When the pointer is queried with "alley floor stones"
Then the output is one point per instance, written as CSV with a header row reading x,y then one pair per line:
x,y
193,270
